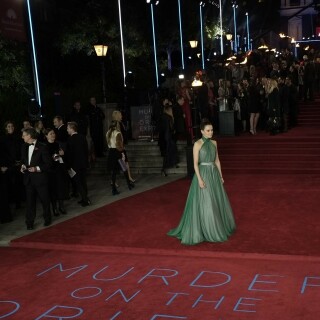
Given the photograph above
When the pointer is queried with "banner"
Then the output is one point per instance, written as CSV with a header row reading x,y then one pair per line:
x,y
12,20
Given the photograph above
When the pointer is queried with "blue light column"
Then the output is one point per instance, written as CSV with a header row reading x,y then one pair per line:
x,y
181,39
221,28
235,28
202,44
248,32
154,47
122,47
34,57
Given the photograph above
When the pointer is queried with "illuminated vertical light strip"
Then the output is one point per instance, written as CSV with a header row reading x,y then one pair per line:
x,y
154,46
122,47
235,29
221,30
248,32
34,57
181,40
202,44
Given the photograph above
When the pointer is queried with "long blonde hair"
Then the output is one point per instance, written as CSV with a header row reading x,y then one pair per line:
x,y
271,85
112,127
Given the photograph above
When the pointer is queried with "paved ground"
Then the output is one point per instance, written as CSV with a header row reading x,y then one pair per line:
x,y
99,194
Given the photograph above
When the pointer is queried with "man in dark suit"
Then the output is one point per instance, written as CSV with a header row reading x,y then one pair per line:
x,y
61,132
36,162
77,156
96,118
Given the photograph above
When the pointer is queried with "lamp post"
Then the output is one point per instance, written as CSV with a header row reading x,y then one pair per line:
x,y
101,51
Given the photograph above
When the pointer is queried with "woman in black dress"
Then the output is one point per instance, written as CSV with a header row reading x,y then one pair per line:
x,y
58,176
254,106
12,144
39,126
5,212
273,108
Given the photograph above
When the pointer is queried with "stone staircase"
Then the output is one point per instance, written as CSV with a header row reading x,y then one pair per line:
x,y
144,158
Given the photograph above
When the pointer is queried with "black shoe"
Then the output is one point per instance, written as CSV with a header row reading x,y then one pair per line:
x,y
164,173
130,185
85,203
47,223
62,210
115,192
30,227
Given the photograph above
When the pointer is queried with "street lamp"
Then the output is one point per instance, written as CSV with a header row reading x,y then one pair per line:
x,y
229,38
193,43
101,51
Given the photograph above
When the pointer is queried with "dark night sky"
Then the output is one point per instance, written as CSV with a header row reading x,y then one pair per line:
x,y
57,17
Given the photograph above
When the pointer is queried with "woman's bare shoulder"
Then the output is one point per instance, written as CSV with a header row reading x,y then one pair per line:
x,y
198,143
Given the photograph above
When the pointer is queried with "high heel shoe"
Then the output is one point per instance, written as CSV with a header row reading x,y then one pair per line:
x,y
132,180
164,173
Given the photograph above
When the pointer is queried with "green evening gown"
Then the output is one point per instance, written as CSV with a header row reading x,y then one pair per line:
x,y
207,215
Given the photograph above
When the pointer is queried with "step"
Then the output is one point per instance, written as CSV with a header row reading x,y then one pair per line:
x,y
274,171
271,164
283,151
261,157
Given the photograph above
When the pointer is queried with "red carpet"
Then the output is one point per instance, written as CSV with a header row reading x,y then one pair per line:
x,y
44,284
274,215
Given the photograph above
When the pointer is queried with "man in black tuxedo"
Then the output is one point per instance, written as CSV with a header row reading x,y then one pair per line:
x,y
77,155
36,162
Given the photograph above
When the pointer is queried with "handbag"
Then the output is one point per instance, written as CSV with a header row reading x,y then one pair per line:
x,y
123,165
274,122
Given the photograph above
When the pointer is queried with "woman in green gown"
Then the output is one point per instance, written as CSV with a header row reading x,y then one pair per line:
x,y
207,215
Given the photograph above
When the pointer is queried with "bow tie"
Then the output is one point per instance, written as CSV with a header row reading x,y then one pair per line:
x,y
31,144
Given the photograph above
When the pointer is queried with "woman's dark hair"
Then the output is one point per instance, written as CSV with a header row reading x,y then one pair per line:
x,y
205,122
47,130
6,123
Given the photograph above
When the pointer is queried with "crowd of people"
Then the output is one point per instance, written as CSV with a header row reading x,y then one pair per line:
x,y
50,162
264,95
